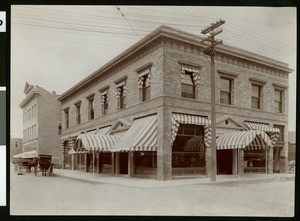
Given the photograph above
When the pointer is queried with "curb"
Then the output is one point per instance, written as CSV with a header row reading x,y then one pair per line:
x,y
217,183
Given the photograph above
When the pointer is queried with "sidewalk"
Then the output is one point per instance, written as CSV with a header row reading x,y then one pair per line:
x,y
152,183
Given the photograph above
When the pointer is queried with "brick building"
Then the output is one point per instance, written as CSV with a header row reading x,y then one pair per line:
x,y
147,112
41,122
16,146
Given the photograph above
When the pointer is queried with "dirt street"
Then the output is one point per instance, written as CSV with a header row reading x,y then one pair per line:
x,y
57,196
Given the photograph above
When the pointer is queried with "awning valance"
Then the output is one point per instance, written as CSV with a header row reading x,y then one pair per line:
x,y
98,142
141,136
191,119
28,154
260,126
273,132
189,68
252,139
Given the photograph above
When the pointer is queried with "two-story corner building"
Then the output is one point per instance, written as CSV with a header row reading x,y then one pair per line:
x,y
147,112
41,122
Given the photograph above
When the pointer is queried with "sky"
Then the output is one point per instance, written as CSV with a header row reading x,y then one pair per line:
x,y
57,46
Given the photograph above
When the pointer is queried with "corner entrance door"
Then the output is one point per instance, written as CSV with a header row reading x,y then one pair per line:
x,y
224,161
123,162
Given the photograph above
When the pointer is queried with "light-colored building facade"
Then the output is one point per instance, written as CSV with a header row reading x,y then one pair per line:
x,y
292,146
147,112
41,121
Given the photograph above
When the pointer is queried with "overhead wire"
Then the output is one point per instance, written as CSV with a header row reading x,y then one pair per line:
x,y
230,32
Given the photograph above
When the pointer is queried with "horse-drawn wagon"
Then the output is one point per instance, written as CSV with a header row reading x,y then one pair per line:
x,y
45,164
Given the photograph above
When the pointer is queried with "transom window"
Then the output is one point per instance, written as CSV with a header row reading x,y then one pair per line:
x,y
225,90
188,89
256,96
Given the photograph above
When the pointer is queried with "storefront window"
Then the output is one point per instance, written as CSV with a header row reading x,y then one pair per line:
x,y
188,150
255,160
145,159
105,158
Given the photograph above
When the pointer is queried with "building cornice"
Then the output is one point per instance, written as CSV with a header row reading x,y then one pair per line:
x,y
28,98
182,36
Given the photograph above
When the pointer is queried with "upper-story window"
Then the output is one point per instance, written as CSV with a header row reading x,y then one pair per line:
x,y
16,145
279,91
256,93
225,90
144,83
188,89
34,110
66,111
104,102
59,129
278,100
190,79
91,106
78,113
121,94
226,86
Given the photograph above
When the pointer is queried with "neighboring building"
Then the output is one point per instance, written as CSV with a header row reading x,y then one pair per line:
x,y
292,146
16,146
147,112
41,122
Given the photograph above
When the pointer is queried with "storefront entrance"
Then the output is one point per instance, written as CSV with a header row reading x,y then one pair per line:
x,y
121,163
224,161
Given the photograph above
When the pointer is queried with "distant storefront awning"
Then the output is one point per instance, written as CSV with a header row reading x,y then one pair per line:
x,y
252,139
141,136
273,132
28,154
193,144
98,142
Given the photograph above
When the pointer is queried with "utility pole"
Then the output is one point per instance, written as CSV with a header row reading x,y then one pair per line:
x,y
210,51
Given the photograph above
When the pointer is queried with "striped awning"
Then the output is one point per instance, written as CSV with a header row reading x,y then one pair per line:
x,y
260,126
271,131
252,139
189,68
98,142
141,136
193,144
191,119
